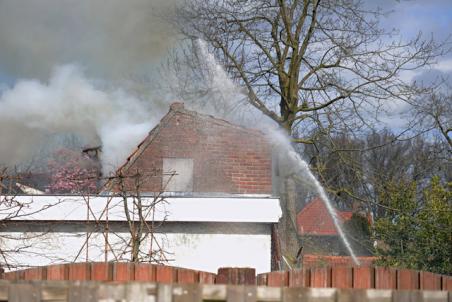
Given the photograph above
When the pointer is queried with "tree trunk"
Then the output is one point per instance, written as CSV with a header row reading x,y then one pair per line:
x,y
287,225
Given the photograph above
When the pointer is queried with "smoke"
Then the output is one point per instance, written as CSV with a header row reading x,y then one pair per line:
x,y
32,112
224,98
111,38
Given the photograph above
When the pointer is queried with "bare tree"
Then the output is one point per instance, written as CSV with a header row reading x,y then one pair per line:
x,y
315,67
134,237
434,111
14,245
307,62
140,217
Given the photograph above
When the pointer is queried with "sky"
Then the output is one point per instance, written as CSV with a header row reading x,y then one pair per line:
x,y
114,43
117,39
109,38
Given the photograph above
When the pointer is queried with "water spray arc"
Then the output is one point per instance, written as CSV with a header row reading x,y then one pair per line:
x,y
229,90
304,170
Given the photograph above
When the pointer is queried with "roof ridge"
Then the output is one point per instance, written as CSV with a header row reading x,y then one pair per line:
x,y
215,119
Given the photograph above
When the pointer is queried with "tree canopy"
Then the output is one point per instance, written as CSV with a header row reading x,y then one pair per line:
x,y
416,231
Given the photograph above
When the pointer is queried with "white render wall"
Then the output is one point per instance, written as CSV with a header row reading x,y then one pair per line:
x,y
206,252
198,233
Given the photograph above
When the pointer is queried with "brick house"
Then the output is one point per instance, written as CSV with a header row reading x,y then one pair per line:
x,y
314,219
320,238
195,153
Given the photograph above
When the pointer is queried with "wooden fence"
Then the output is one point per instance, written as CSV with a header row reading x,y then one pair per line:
x,y
363,277
91,291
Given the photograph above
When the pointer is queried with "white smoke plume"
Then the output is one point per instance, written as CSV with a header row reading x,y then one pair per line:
x,y
31,111
112,39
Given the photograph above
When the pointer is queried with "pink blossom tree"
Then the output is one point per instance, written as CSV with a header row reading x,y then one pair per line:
x,y
72,172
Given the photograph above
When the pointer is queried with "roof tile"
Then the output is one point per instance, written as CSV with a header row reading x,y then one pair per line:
x,y
315,219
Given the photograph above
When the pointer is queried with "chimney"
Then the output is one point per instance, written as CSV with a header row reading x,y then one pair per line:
x,y
177,106
92,152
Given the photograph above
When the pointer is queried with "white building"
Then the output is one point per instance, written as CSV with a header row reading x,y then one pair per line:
x,y
202,233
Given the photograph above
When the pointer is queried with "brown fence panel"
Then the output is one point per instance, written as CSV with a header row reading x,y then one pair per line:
x,y
237,276
35,273
299,278
144,272
122,271
207,278
261,279
430,281
363,277
165,274
280,278
385,278
407,279
100,271
447,284
187,276
79,271
341,277
320,277
57,272
10,276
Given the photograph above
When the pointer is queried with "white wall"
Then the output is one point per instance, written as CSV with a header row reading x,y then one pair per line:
x,y
206,252
198,233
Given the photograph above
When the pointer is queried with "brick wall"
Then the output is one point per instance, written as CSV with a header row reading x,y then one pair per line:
x,y
226,158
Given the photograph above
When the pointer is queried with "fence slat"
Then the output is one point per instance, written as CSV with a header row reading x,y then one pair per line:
x,y
187,293
79,271
278,278
4,287
214,292
262,279
292,294
385,278
320,295
123,271
186,276
320,277
379,295
165,274
363,277
57,272
407,279
85,291
341,277
144,272
435,296
236,275
140,291
241,293
164,293
235,293
447,284
111,292
35,273
430,281
299,278
23,292
351,295
268,294
206,278
54,291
